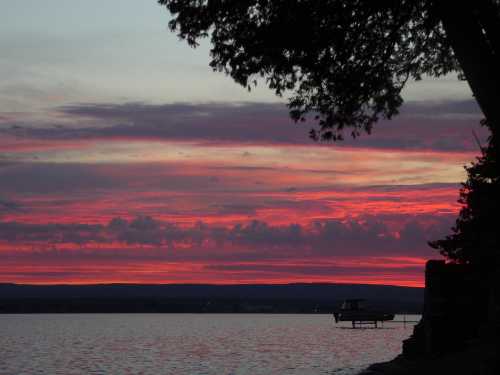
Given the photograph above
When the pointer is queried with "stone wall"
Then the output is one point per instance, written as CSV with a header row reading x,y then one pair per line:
x,y
454,310
461,315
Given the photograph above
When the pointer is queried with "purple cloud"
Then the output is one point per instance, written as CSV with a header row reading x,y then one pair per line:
x,y
442,126
368,236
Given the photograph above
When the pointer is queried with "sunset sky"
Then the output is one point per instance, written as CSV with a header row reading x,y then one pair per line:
x,y
124,158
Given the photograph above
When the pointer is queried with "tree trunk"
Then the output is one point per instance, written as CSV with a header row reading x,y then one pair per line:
x,y
475,51
473,30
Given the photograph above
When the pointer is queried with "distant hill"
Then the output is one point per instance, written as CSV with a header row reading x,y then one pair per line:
x,y
288,298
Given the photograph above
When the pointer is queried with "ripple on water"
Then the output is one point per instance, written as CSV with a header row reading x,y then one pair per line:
x,y
190,344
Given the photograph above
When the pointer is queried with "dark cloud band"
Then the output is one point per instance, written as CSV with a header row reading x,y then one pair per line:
x,y
442,126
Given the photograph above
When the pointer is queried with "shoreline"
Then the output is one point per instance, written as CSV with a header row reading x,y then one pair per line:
x,y
464,362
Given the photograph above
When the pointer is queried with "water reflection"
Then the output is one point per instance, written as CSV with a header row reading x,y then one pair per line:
x,y
189,344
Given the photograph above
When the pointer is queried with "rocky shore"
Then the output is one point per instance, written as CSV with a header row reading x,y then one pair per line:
x,y
460,363
459,330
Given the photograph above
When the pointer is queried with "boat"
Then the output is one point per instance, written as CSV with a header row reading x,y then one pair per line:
x,y
354,310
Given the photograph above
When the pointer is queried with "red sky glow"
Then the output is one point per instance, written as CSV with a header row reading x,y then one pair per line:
x,y
125,159
208,208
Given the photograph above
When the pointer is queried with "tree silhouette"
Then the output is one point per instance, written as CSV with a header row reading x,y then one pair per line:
x,y
475,235
346,61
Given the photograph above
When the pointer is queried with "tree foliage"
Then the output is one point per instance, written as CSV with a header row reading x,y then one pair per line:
x,y
346,62
475,235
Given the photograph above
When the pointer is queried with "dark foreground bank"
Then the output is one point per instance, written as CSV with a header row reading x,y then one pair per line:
x,y
465,362
122,298
459,332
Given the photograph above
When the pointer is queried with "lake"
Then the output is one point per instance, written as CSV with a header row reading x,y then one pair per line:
x,y
191,344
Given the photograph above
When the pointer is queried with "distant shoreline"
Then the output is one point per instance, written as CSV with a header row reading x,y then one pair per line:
x,y
203,298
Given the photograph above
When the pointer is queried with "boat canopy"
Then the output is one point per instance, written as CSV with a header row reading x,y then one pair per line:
x,y
353,304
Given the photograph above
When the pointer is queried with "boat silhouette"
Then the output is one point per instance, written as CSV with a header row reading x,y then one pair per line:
x,y
354,310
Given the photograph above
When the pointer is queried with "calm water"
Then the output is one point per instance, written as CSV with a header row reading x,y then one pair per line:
x,y
210,344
